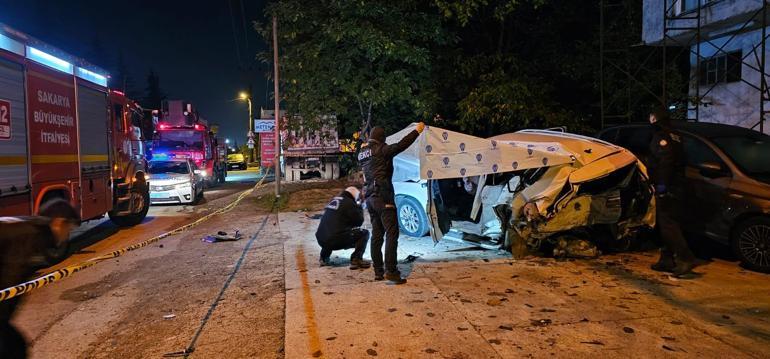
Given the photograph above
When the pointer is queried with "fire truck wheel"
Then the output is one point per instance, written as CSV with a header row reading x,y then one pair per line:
x,y
55,255
142,193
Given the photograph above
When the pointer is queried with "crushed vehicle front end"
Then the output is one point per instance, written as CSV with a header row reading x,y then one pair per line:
x,y
560,192
604,197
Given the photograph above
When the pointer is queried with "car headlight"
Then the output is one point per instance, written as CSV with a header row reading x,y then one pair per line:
x,y
204,173
182,185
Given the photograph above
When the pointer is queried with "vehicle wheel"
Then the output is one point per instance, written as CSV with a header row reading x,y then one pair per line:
x,y
196,195
54,255
411,217
751,243
141,194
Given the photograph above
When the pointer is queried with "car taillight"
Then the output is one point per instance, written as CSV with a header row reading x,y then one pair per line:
x,y
197,156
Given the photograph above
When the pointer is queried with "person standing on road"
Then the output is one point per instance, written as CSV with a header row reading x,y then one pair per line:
x,y
666,166
339,229
22,239
377,162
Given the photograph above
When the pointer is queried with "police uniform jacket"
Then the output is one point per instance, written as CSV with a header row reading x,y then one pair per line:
x,y
340,216
376,159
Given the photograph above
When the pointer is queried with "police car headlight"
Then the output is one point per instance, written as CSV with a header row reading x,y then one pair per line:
x,y
182,185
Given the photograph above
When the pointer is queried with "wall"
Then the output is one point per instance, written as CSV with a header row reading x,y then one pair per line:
x,y
735,103
716,17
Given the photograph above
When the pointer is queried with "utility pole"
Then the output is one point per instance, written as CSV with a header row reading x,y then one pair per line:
x,y
276,164
251,128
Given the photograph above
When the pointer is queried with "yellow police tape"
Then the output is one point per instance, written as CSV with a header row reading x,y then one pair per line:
x,y
60,274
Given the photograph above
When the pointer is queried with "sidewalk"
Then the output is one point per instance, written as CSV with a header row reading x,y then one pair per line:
x,y
480,304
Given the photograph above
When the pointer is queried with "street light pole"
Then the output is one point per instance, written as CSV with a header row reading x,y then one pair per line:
x,y
277,171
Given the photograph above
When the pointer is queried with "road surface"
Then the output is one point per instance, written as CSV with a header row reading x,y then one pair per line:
x,y
266,296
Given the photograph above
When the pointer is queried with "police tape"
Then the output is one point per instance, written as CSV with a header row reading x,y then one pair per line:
x,y
26,287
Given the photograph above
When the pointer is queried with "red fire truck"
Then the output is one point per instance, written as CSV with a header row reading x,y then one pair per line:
x,y
182,133
63,134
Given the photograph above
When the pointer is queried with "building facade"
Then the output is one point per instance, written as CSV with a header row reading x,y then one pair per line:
x,y
726,40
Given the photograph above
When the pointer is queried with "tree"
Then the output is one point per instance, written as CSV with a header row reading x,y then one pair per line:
x,y
153,93
354,57
96,52
122,79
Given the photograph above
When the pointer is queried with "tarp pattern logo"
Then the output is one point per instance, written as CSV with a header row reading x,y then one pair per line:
x,y
428,148
479,157
545,161
446,162
445,135
430,174
462,146
494,144
515,165
494,168
462,172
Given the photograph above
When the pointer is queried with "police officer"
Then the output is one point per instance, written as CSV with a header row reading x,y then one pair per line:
x,y
339,228
666,167
377,162
21,239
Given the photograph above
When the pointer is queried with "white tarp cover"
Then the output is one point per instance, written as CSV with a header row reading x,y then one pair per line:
x,y
440,153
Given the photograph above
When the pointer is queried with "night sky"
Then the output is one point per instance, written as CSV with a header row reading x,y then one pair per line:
x,y
191,45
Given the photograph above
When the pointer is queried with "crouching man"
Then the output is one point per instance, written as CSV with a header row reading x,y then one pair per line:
x,y
21,239
339,228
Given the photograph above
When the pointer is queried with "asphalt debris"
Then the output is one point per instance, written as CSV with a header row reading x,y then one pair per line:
x,y
540,322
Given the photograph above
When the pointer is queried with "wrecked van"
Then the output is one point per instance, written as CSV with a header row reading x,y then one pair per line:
x,y
531,189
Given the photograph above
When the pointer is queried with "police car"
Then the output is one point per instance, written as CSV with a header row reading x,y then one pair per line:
x,y
175,180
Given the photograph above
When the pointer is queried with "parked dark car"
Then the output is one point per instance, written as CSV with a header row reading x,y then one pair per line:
x,y
728,183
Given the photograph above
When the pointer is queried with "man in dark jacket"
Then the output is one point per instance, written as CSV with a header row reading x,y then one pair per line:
x,y
376,159
21,239
666,165
339,228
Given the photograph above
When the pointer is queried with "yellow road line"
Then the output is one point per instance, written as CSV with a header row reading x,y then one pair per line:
x,y
312,327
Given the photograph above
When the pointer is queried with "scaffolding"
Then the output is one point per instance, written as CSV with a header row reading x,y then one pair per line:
x,y
619,50
689,26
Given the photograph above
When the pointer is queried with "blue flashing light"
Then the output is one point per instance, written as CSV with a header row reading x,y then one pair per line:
x,y
49,60
92,76
159,156
9,44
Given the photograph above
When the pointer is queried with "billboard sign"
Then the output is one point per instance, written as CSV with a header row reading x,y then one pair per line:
x,y
264,125
267,148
